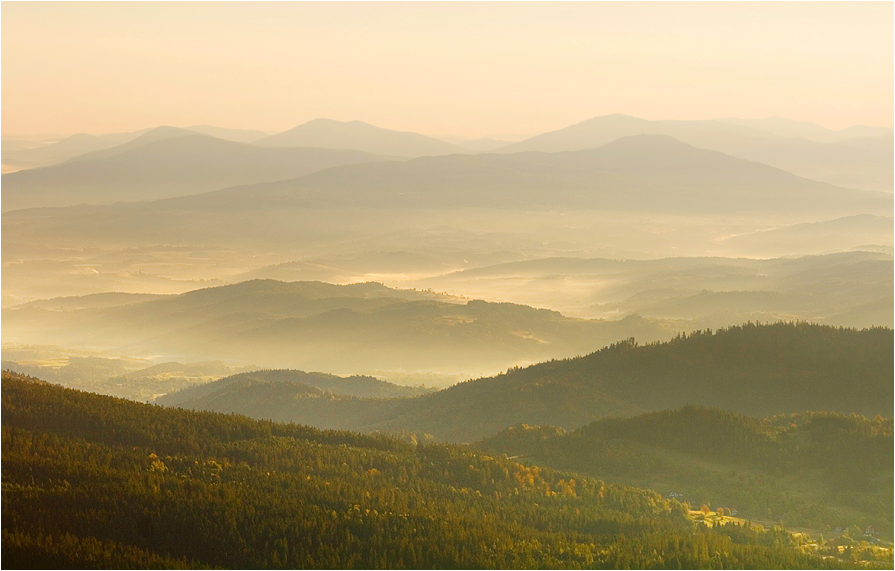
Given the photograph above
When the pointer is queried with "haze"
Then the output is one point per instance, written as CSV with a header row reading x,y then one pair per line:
x,y
467,285
464,70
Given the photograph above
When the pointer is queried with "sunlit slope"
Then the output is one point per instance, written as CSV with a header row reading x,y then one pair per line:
x,y
91,481
162,163
756,370
316,326
817,470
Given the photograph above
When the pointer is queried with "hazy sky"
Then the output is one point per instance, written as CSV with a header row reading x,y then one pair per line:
x,y
443,69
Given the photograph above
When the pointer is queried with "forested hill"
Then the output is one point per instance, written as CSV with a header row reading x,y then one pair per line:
x,y
818,470
356,386
759,370
93,481
752,369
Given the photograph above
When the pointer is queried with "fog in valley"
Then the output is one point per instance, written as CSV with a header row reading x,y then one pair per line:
x,y
555,263
642,236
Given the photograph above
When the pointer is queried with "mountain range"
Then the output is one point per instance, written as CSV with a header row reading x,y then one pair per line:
x,y
641,173
646,174
838,162
161,163
859,156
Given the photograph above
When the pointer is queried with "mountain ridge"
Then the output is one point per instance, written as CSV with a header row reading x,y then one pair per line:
x,y
836,162
745,370
329,133
162,163
628,173
364,327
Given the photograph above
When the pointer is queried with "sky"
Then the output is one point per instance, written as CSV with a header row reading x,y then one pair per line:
x,y
448,69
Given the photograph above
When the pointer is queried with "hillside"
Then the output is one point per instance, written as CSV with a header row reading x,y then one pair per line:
x,y
360,136
753,369
310,325
162,163
91,481
356,386
756,370
818,470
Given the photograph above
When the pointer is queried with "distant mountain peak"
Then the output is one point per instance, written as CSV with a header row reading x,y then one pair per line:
x,y
345,126
804,149
649,139
164,132
613,119
324,121
229,134
332,134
